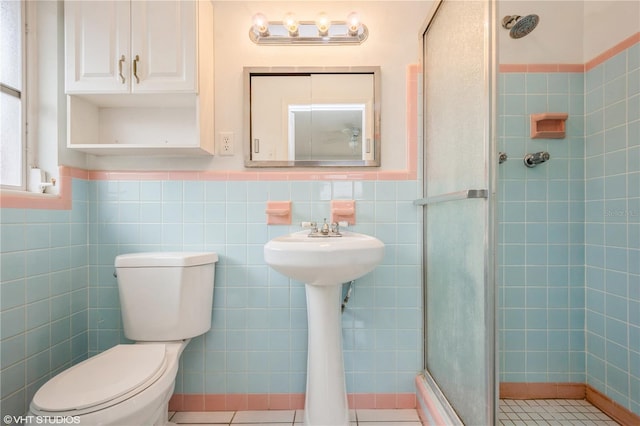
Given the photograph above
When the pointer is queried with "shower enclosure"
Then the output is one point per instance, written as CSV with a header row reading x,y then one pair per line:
x,y
539,248
458,124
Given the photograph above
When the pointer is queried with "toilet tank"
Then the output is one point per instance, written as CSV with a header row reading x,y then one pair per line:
x,y
165,296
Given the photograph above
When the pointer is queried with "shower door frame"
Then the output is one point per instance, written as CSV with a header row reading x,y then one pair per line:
x,y
490,67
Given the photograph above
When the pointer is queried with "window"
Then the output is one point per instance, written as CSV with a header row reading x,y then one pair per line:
x,y
12,124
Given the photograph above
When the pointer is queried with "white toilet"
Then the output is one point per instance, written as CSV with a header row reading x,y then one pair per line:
x,y
166,299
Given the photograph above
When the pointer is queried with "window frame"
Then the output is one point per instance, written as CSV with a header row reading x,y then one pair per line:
x,y
23,96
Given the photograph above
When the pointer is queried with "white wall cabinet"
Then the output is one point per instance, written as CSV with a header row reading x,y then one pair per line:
x,y
139,76
137,46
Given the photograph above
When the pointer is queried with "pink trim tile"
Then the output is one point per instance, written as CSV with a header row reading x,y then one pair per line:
x,y
285,401
258,401
280,402
73,172
406,400
430,405
237,402
613,51
30,200
386,401
273,176
192,402
215,402
599,59
241,175
212,175
413,71
297,401
363,400
542,68
394,175
504,68
187,175
579,68
175,402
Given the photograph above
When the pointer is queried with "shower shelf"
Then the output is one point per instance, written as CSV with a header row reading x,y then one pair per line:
x,y
548,125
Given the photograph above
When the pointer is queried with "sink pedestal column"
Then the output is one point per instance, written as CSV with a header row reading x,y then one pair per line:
x,y
326,397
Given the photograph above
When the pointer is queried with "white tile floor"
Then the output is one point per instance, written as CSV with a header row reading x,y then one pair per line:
x,y
558,412
549,412
293,417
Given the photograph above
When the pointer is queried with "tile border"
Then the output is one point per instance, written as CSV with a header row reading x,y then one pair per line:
x,y
240,402
427,404
62,201
575,68
30,200
510,390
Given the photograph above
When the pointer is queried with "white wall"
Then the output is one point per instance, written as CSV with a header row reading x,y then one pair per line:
x,y
569,32
608,23
47,111
393,44
556,39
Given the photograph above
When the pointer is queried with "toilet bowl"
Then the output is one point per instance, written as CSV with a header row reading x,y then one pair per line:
x,y
125,385
166,295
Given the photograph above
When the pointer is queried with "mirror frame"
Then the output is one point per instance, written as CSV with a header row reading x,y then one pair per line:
x,y
292,71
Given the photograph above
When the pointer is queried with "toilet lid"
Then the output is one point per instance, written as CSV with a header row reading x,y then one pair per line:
x,y
102,378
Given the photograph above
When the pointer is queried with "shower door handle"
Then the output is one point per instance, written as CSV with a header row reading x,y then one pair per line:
x,y
452,196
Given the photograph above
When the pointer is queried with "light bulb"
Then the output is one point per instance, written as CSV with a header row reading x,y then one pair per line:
x,y
261,24
291,24
323,23
353,23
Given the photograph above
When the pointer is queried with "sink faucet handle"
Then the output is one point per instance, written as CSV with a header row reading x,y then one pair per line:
x,y
310,225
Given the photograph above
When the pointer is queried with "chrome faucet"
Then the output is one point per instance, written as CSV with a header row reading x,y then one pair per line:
x,y
326,230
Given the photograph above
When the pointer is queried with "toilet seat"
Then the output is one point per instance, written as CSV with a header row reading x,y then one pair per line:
x,y
103,380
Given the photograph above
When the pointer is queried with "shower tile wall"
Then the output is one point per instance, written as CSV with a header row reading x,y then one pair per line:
x,y
612,227
44,296
258,340
569,244
541,232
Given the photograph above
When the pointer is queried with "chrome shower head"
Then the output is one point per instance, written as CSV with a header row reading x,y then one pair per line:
x,y
520,26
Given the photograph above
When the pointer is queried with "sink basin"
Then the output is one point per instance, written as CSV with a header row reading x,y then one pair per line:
x,y
324,260
323,264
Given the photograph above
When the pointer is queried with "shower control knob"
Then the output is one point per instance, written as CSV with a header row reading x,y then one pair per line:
x,y
532,160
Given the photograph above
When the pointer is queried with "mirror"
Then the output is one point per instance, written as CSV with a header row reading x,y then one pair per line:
x,y
312,117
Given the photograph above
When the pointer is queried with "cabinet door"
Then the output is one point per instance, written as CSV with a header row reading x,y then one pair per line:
x,y
97,44
163,39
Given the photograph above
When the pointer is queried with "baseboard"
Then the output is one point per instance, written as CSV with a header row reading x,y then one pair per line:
x,y
570,391
542,390
611,408
238,402
433,408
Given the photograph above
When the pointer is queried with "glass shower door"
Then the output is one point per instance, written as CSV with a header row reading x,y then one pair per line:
x,y
458,72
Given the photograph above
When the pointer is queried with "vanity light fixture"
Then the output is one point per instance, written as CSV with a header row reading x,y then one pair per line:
x,y
322,31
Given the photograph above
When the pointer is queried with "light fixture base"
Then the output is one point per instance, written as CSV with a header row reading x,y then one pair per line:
x,y
338,34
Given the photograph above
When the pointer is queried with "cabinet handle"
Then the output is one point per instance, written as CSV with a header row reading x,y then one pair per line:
x,y
120,62
135,69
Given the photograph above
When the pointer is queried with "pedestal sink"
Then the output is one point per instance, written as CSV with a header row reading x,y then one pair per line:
x,y
323,264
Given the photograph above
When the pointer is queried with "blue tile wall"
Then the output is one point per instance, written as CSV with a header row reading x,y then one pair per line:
x,y
258,339
44,296
569,231
541,232
612,227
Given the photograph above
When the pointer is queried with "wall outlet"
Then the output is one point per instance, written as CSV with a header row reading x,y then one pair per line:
x,y
226,143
